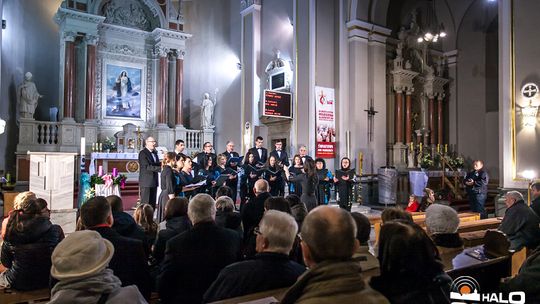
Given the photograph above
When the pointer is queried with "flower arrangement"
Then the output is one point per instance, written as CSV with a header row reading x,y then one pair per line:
x,y
108,180
426,161
456,162
109,144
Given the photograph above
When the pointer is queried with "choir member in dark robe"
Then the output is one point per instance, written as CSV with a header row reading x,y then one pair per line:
x,y
168,182
344,183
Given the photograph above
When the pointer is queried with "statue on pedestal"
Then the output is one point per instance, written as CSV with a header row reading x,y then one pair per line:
x,y
27,97
207,112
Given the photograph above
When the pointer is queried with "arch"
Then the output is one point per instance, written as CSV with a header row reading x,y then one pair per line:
x,y
152,6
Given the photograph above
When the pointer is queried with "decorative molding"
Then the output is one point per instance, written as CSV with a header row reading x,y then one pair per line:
x,y
161,50
364,30
244,4
122,49
63,14
160,33
91,39
122,31
179,54
69,36
131,13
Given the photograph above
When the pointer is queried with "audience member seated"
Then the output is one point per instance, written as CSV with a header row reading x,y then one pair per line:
x,y
224,191
328,243
194,258
520,223
427,200
129,261
271,267
253,211
124,224
80,263
411,270
442,223
28,244
144,217
413,204
527,279
535,193
362,255
395,213
298,209
226,217
19,198
175,222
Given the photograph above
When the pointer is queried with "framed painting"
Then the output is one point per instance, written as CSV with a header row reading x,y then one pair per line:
x,y
124,90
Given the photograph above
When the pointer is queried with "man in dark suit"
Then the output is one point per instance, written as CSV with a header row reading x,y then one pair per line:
x,y
253,210
229,150
179,147
149,166
193,259
129,261
260,153
303,154
201,158
281,156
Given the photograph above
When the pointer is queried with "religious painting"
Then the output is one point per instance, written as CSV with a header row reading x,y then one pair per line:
x,y
325,122
124,90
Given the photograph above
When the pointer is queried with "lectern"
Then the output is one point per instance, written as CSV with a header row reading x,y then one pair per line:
x,y
52,176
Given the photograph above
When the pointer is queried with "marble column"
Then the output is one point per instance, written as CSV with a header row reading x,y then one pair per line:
x,y
408,116
440,119
431,114
69,74
163,88
91,42
399,117
179,87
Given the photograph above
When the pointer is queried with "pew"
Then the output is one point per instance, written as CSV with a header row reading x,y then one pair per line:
x,y
14,296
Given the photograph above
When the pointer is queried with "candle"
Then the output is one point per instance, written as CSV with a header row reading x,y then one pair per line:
x,y
83,146
114,172
100,170
445,148
420,147
438,148
412,147
100,147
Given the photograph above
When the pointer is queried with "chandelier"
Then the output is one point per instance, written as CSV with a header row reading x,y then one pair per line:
x,y
432,31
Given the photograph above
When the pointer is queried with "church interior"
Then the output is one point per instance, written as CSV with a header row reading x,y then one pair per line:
x,y
431,101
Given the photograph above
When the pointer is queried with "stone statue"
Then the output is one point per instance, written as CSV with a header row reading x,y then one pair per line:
x,y
207,112
27,97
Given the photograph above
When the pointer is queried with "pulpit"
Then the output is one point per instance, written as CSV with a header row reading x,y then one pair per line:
x,y
52,176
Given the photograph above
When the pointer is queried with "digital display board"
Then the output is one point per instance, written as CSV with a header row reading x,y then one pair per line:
x,y
277,104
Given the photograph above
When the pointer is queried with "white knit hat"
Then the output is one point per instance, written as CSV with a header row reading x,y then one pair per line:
x,y
441,219
81,254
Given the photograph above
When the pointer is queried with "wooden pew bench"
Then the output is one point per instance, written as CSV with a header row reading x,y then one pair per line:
x,y
8,296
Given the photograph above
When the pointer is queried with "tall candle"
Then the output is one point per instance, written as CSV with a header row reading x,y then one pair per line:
x,y
114,172
420,147
445,148
100,170
100,147
83,146
438,148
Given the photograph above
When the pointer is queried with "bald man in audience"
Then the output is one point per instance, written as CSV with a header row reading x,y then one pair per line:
x,y
328,243
271,267
520,222
253,211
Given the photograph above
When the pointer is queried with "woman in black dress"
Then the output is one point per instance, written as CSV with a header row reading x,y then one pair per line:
x,y
208,172
186,179
344,183
273,176
168,182
325,178
309,181
296,168
177,169
249,178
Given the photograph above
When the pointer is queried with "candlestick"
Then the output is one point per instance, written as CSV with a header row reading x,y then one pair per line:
x,y
438,148
360,162
100,147
420,147
83,146
100,170
445,148
412,147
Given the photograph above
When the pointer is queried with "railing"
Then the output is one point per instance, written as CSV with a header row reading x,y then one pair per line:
x,y
46,133
455,186
194,141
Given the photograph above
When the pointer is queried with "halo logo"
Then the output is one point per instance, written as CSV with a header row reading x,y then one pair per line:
x,y
467,291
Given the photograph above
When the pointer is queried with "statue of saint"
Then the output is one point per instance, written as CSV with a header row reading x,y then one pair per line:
x,y
207,112
27,97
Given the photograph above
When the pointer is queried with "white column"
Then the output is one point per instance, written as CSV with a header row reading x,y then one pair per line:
x,y
250,57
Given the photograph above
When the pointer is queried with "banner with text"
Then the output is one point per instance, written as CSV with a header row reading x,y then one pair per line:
x,y
325,122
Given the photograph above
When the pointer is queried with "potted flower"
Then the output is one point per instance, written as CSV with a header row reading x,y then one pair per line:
x,y
459,163
426,161
109,145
